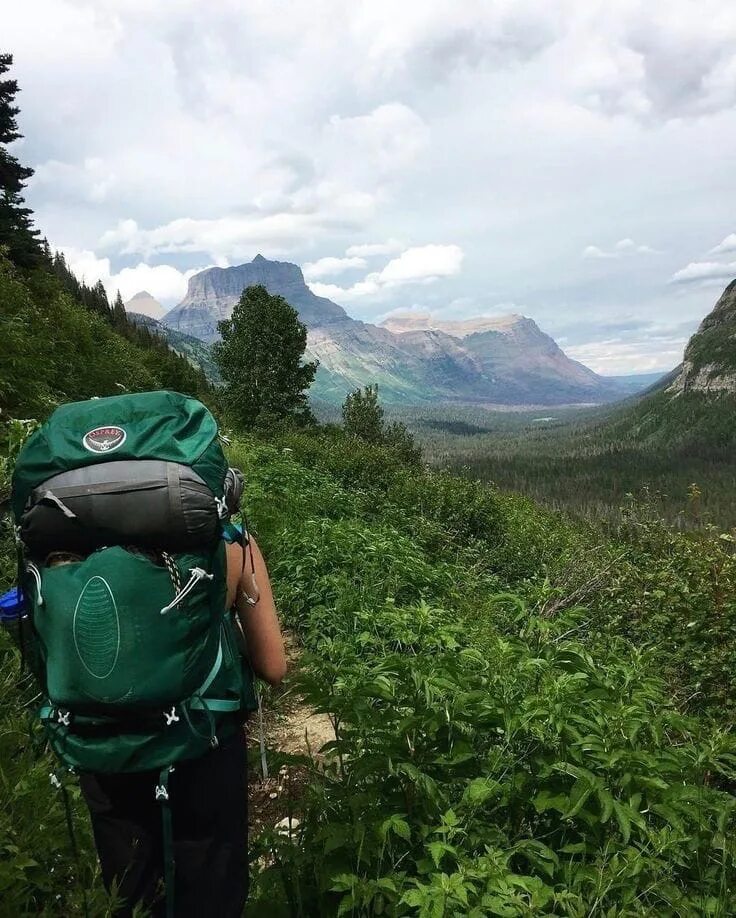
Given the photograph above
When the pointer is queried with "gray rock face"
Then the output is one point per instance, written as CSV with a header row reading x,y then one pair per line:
x,y
709,364
414,360
211,295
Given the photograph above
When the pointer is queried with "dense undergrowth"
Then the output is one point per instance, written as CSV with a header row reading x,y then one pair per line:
x,y
506,743
530,721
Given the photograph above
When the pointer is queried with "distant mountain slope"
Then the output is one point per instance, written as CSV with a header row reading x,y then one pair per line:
x,y
197,352
146,305
710,357
637,383
504,361
694,407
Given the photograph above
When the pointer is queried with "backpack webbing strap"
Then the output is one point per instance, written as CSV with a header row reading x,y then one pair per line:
x,y
162,797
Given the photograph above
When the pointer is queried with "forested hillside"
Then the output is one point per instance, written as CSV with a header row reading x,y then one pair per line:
x,y
62,341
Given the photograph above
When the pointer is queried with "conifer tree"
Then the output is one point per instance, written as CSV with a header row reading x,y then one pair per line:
x,y
119,315
260,358
17,236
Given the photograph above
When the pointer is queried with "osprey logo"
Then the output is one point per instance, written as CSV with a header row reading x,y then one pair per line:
x,y
104,439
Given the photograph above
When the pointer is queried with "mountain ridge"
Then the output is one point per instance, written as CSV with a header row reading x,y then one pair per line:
x,y
494,361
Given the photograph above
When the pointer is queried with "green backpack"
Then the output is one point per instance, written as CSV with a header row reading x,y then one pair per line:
x,y
122,507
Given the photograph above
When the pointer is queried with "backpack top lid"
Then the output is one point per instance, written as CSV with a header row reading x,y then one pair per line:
x,y
143,425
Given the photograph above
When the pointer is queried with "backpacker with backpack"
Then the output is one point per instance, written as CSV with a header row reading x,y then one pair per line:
x,y
123,508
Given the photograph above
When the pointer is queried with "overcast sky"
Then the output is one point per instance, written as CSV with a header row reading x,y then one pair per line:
x,y
573,161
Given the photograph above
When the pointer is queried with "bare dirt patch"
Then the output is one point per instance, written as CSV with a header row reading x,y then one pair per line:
x,y
290,728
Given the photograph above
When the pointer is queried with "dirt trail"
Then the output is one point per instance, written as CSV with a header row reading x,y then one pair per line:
x,y
291,727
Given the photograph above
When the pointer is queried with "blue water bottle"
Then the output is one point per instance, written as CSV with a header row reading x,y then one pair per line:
x,y
14,617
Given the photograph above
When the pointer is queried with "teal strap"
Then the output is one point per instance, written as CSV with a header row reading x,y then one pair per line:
x,y
162,796
213,672
232,533
45,712
215,704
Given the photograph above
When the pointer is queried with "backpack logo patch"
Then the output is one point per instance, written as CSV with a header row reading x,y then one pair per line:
x,y
96,628
104,439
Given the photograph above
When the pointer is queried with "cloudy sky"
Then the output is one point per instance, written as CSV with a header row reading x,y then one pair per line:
x,y
573,161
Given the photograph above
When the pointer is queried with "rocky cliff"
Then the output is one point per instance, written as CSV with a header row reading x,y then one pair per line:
x,y
413,359
709,364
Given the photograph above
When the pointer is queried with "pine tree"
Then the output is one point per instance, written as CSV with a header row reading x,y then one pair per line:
x,y
119,315
260,358
17,236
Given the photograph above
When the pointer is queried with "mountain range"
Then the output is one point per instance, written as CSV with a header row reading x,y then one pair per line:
x,y
414,359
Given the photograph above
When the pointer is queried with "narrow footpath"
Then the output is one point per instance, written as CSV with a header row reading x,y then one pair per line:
x,y
290,728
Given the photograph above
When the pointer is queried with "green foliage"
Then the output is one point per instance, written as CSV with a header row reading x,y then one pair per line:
x,y
119,316
260,358
507,753
362,415
587,462
501,683
362,418
53,349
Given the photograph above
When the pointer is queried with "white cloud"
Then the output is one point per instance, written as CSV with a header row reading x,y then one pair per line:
x,y
91,181
419,264
705,273
232,239
422,263
325,267
389,138
726,245
409,121
593,251
622,248
163,282
614,357
367,250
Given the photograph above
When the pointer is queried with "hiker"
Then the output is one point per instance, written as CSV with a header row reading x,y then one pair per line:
x,y
141,594
210,793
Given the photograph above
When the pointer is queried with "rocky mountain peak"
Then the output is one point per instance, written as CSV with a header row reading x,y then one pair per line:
x,y
212,294
709,364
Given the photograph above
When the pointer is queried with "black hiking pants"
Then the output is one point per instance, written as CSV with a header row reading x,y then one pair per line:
x,y
209,799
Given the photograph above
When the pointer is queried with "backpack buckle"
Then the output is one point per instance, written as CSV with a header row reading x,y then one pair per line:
x,y
63,718
171,716
161,792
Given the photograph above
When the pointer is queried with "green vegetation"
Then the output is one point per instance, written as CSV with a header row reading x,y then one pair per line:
x,y
363,418
528,720
507,737
53,349
260,358
713,348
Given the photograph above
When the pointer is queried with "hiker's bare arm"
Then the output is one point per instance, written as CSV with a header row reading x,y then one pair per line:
x,y
260,622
